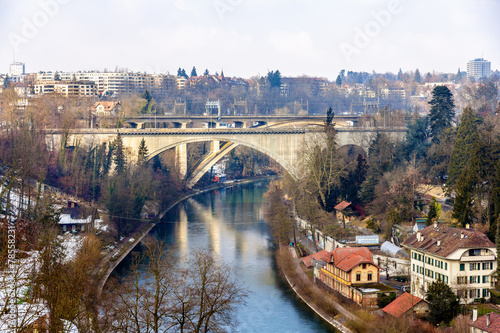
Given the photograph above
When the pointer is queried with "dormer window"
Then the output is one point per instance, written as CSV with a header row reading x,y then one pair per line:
x,y
474,252
364,266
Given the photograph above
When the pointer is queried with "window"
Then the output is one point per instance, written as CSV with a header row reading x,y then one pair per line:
x,y
473,266
487,265
486,279
369,276
486,293
474,252
358,277
473,279
461,279
445,266
414,267
462,267
364,266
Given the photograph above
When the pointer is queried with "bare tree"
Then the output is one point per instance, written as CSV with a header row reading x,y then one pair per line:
x,y
159,297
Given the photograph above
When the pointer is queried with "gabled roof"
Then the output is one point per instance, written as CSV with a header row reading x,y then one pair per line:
x,y
402,304
450,240
108,106
493,327
322,255
347,258
343,205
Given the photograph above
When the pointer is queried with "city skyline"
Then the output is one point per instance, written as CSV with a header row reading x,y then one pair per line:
x,y
246,38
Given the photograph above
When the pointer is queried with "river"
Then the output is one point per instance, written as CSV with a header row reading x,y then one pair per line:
x,y
230,223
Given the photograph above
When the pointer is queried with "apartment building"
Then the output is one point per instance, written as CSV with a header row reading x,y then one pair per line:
x,y
464,258
478,68
111,83
63,88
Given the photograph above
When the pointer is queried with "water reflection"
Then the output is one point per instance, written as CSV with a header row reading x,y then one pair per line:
x,y
230,223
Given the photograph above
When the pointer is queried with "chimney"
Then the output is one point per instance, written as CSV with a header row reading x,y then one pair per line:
x,y
462,235
438,242
487,319
418,235
474,314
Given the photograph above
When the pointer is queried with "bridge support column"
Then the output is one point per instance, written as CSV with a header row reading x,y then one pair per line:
x,y
214,146
181,159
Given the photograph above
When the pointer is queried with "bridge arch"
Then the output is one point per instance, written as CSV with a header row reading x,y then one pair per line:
x,y
282,162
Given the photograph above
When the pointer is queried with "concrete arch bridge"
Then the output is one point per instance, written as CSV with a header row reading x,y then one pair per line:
x,y
281,144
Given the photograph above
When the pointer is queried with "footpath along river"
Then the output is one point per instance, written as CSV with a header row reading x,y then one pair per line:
x,y
230,223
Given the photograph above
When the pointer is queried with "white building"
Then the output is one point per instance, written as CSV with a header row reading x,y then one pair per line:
x,y
464,258
63,88
478,68
17,69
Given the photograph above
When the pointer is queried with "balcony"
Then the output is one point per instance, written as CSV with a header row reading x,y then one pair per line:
x,y
477,258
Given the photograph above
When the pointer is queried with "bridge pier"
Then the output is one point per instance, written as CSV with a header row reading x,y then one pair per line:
x,y
214,146
181,159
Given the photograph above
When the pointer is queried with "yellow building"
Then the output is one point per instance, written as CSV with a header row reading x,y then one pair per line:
x,y
351,272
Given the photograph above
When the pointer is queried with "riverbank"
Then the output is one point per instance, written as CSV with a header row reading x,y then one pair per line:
x,y
111,260
322,304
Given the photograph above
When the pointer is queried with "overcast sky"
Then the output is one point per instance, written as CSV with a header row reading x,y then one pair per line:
x,y
249,37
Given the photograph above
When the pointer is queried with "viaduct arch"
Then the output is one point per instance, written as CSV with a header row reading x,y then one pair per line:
x,y
279,143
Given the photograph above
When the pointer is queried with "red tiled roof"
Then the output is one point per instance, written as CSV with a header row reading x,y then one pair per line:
x,y
108,106
347,258
450,240
343,205
323,255
493,327
401,305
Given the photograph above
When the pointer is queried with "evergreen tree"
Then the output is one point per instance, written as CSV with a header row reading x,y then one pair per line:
x,y
143,152
443,303
432,214
119,156
417,77
182,72
274,78
193,72
338,81
206,72
463,210
467,136
416,141
442,111
495,206
400,75
459,75
497,242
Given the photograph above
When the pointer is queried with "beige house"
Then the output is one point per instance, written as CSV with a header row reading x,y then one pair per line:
x,y
106,109
464,258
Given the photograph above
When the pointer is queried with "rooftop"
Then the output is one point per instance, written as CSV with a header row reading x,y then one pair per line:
x,y
451,239
401,305
343,205
347,258
494,325
322,255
